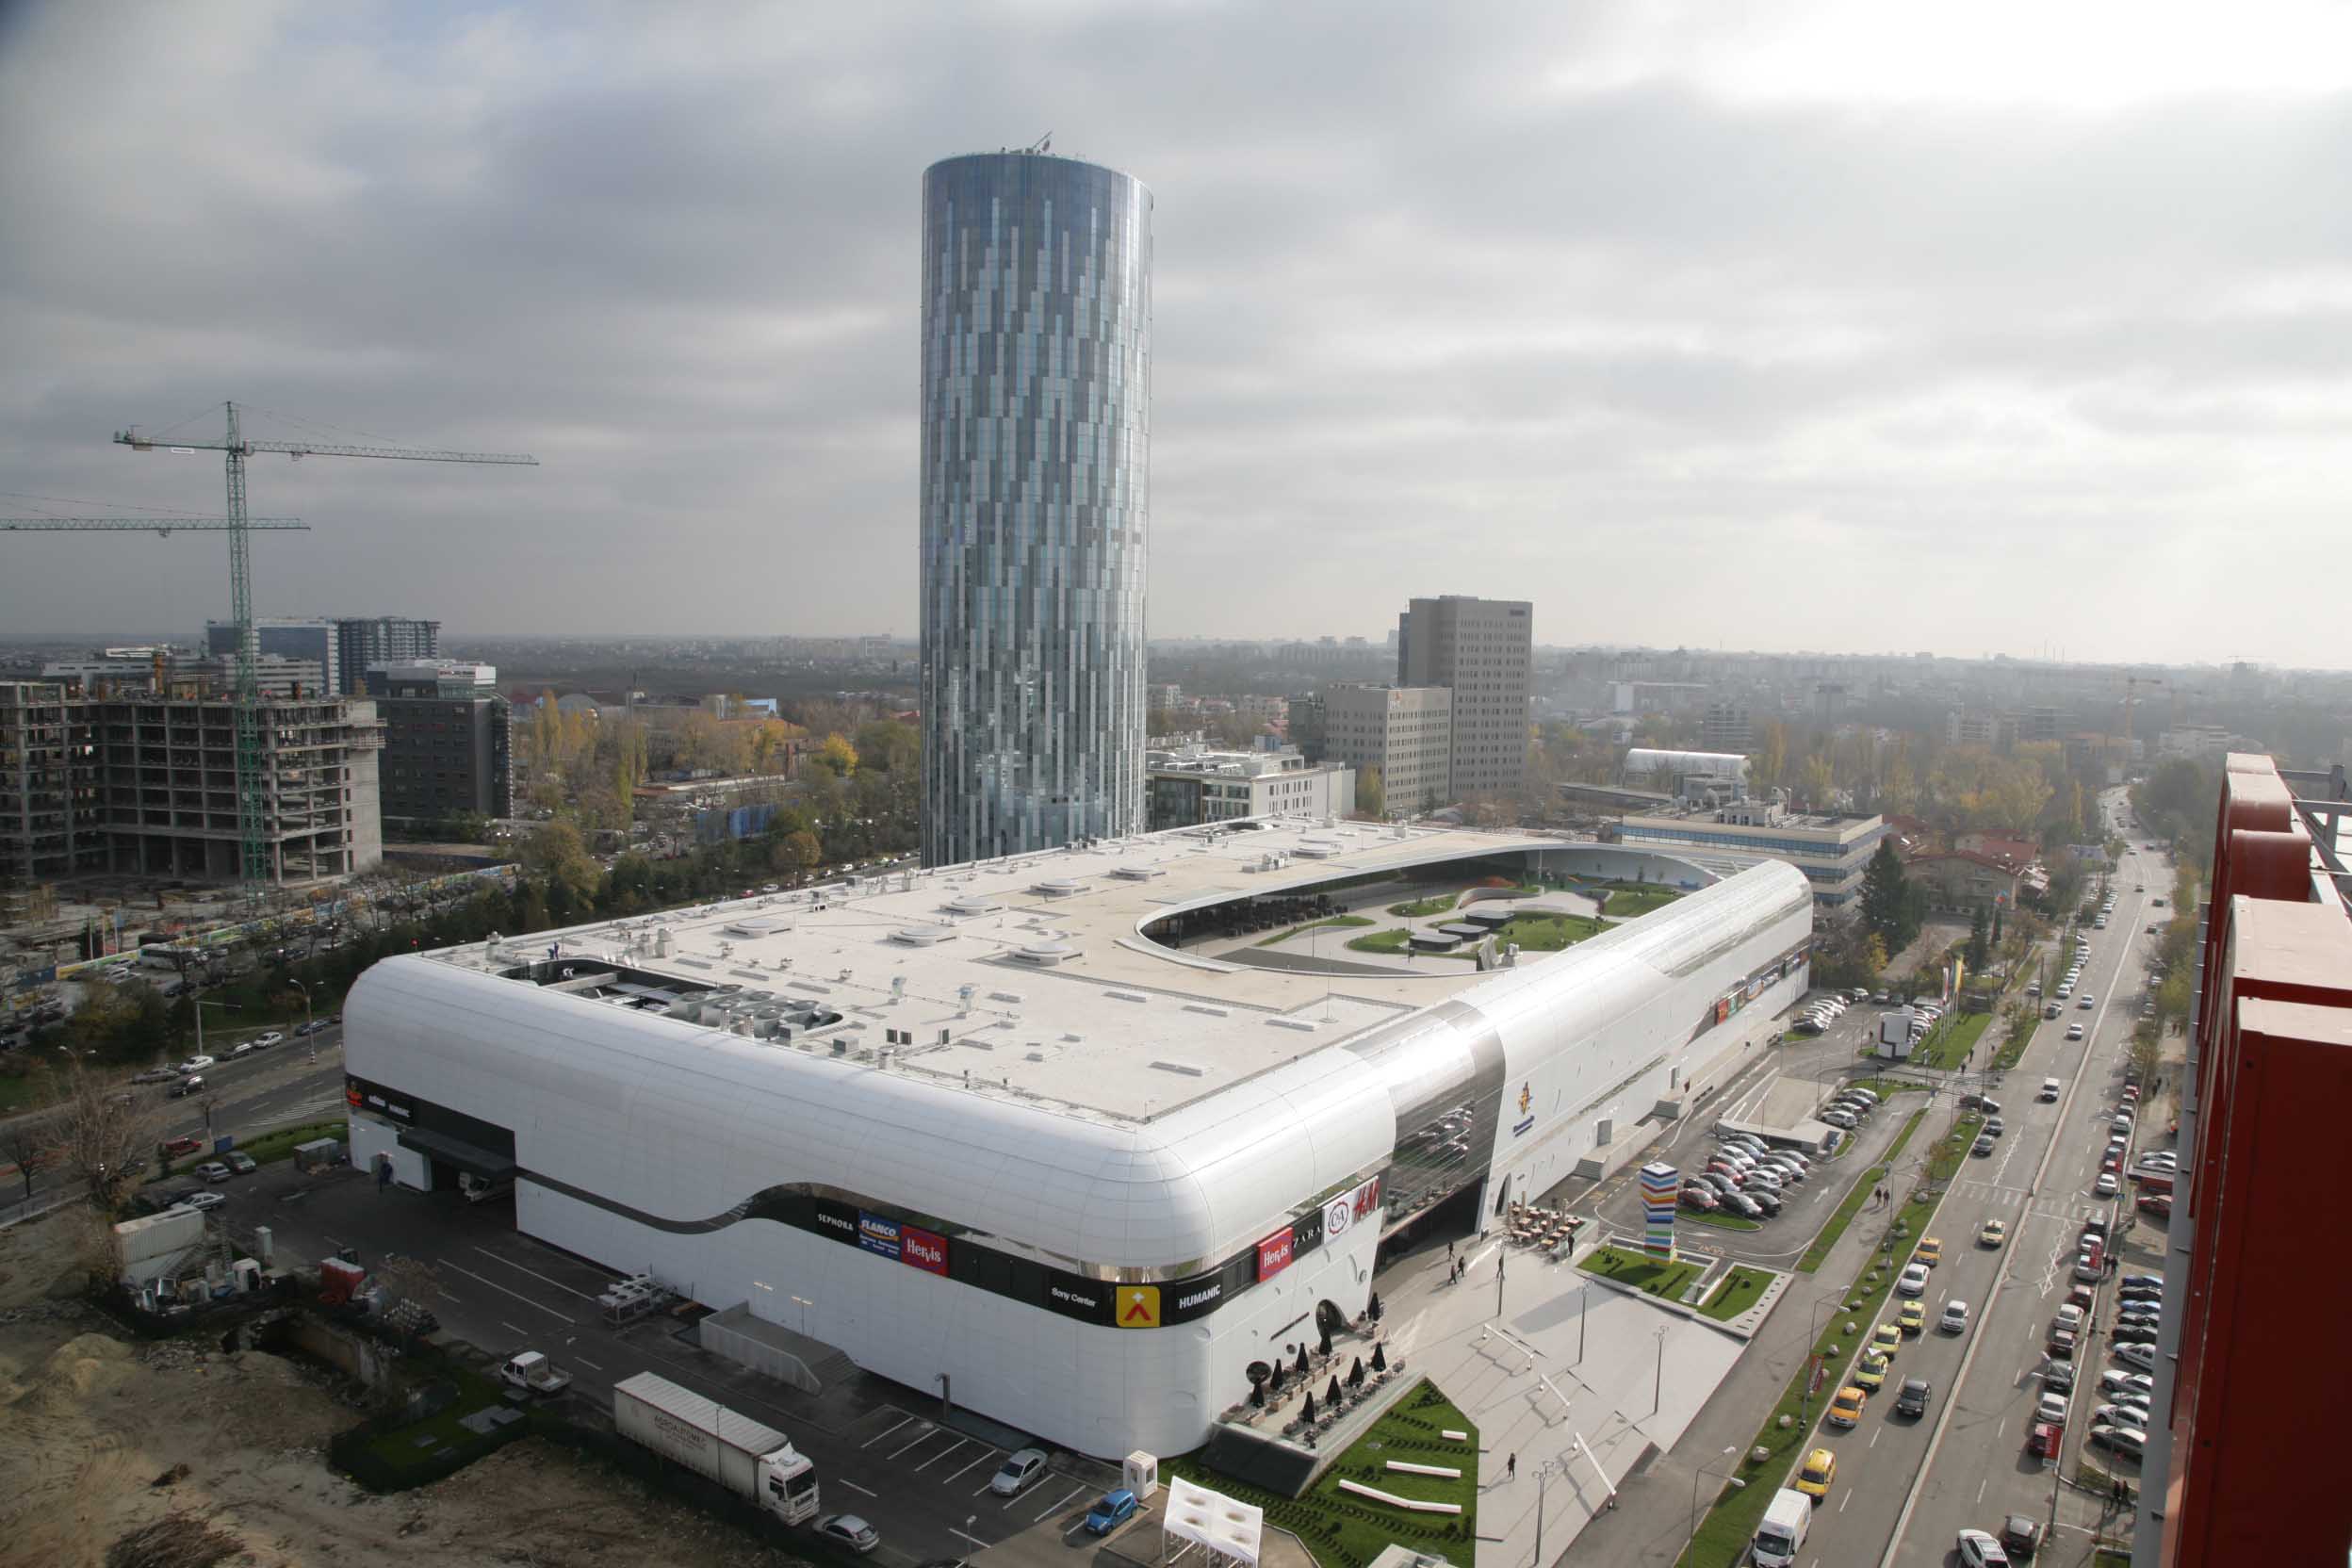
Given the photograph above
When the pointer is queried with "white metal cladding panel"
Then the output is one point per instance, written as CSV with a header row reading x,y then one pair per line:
x,y
1101,1391
685,1123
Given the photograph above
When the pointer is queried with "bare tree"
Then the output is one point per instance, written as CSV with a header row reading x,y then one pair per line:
x,y
105,1134
30,1144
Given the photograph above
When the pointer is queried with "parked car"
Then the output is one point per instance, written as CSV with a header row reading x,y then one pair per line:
x,y
265,1042
198,1200
2115,1381
195,1064
847,1529
1114,1510
2122,1440
2021,1536
2058,1377
1983,1146
154,1075
2157,1203
2141,1356
240,1165
1818,1474
1740,1203
2106,1186
1845,1407
1699,1199
2130,1282
2134,1334
183,1145
185,1088
1765,1198
1913,1281
1019,1473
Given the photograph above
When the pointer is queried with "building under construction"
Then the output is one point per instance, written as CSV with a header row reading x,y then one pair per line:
x,y
143,783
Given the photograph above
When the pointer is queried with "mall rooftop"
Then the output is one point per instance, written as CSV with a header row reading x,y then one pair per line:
x,y
1030,976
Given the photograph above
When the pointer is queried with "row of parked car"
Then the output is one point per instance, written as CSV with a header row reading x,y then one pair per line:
x,y
1745,1176
1848,1108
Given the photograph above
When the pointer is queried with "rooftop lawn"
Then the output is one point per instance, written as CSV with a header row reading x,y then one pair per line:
x,y
1621,1266
1737,1291
1549,933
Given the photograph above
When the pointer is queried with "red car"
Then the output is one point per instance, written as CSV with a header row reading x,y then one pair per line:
x,y
2157,1203
2042,1443
183,1146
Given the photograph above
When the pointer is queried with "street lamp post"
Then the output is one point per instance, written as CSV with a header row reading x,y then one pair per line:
x,y
200,1005
1657,1393
308,1032
1721,1475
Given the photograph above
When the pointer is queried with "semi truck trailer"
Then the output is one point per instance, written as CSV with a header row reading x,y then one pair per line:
x,y
753,1461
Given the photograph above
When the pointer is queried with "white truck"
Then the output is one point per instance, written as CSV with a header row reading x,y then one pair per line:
x,y
753,1461
534,1374
1782,1533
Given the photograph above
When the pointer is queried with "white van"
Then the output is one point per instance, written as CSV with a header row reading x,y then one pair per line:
x,y
1781,1536
2050,1088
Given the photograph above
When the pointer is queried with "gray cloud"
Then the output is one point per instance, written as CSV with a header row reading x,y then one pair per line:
x,y
1471,298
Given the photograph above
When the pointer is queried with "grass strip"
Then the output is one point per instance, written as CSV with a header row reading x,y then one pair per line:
x,y
1949,1043
1549,933
1314,925
1740,1289
1436,903
1390,940
1665,1281
1853,1200
1724,1536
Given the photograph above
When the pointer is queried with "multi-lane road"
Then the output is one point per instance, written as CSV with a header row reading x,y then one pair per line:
x,y
1906,1487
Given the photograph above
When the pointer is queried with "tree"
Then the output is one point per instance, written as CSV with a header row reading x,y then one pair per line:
x,y
103,1135
1979,941
1886,902
836,755
30,1144
1771,754
554,852
1371,792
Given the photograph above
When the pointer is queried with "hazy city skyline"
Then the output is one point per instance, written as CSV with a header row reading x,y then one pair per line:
x,y
1849,330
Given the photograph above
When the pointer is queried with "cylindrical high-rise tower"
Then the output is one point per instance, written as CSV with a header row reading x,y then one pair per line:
x,y
1037,356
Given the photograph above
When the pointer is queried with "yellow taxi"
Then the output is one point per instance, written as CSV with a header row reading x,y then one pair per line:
x,y
1817,1474
1871,1373
1886,1339
1930,1252
1913,1317
1994,1233
1846,1409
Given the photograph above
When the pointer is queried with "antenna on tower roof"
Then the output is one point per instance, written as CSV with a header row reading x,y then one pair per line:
x,y
1043,143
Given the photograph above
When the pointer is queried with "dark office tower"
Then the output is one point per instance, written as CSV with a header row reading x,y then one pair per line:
x,y
1036,355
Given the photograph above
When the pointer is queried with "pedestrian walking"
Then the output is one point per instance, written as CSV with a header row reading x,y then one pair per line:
x,y
1510,1467
1449,1252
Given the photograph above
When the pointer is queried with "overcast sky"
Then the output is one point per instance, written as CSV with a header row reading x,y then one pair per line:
x,y
1842,326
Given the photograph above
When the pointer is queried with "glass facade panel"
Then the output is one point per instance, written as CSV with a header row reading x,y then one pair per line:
x,y
1036,353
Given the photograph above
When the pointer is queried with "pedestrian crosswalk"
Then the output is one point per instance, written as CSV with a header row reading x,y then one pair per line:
x,y
2068,1207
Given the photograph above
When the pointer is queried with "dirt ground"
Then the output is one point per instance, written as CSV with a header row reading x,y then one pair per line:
x,y
90,1419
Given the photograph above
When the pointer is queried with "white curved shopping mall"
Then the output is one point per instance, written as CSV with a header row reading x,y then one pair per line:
x,y
1084,1132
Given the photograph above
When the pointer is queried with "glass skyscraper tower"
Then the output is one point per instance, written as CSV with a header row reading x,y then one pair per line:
x,y
1037,356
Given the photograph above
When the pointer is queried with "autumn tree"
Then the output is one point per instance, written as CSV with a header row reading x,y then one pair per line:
x,y
1371,793
103,1135
836,755
554,850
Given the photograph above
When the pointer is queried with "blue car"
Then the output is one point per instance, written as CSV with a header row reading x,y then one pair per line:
x,y
1115,1509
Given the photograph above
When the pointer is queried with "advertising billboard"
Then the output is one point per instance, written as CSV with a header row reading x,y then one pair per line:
x,y
1661,1185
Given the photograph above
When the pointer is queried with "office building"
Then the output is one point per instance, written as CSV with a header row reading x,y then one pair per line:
x,y
278,676
449,741
2229,1474
318,640
1078,1177
361,641
1193,784
1484,652
1406,732
1035,501
1830,849
1724,726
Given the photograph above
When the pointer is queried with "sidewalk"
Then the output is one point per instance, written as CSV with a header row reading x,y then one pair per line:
x,y
1653,1518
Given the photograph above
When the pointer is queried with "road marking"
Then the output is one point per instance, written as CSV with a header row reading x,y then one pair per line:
x,y
982,1460
973,1539
1073,1492
585,1362
927,1434
517,1294
504,1324
1844,1500
886,1431
941,1454
854,1487
534,1274
1874,1436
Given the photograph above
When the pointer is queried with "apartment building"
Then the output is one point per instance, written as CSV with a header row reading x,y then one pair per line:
x,y
1484,652
47,830
1192,785
449,741
1405,732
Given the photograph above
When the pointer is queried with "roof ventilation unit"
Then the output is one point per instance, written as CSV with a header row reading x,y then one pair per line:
x,y
1044,953
1059,886
1137,874
921,936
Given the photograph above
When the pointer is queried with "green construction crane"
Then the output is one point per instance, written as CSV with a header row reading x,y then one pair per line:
x,y
252,803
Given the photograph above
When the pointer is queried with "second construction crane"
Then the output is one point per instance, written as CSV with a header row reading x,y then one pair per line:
x,y
252,784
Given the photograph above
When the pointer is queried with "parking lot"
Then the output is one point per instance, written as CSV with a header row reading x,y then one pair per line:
x,y
886,1452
